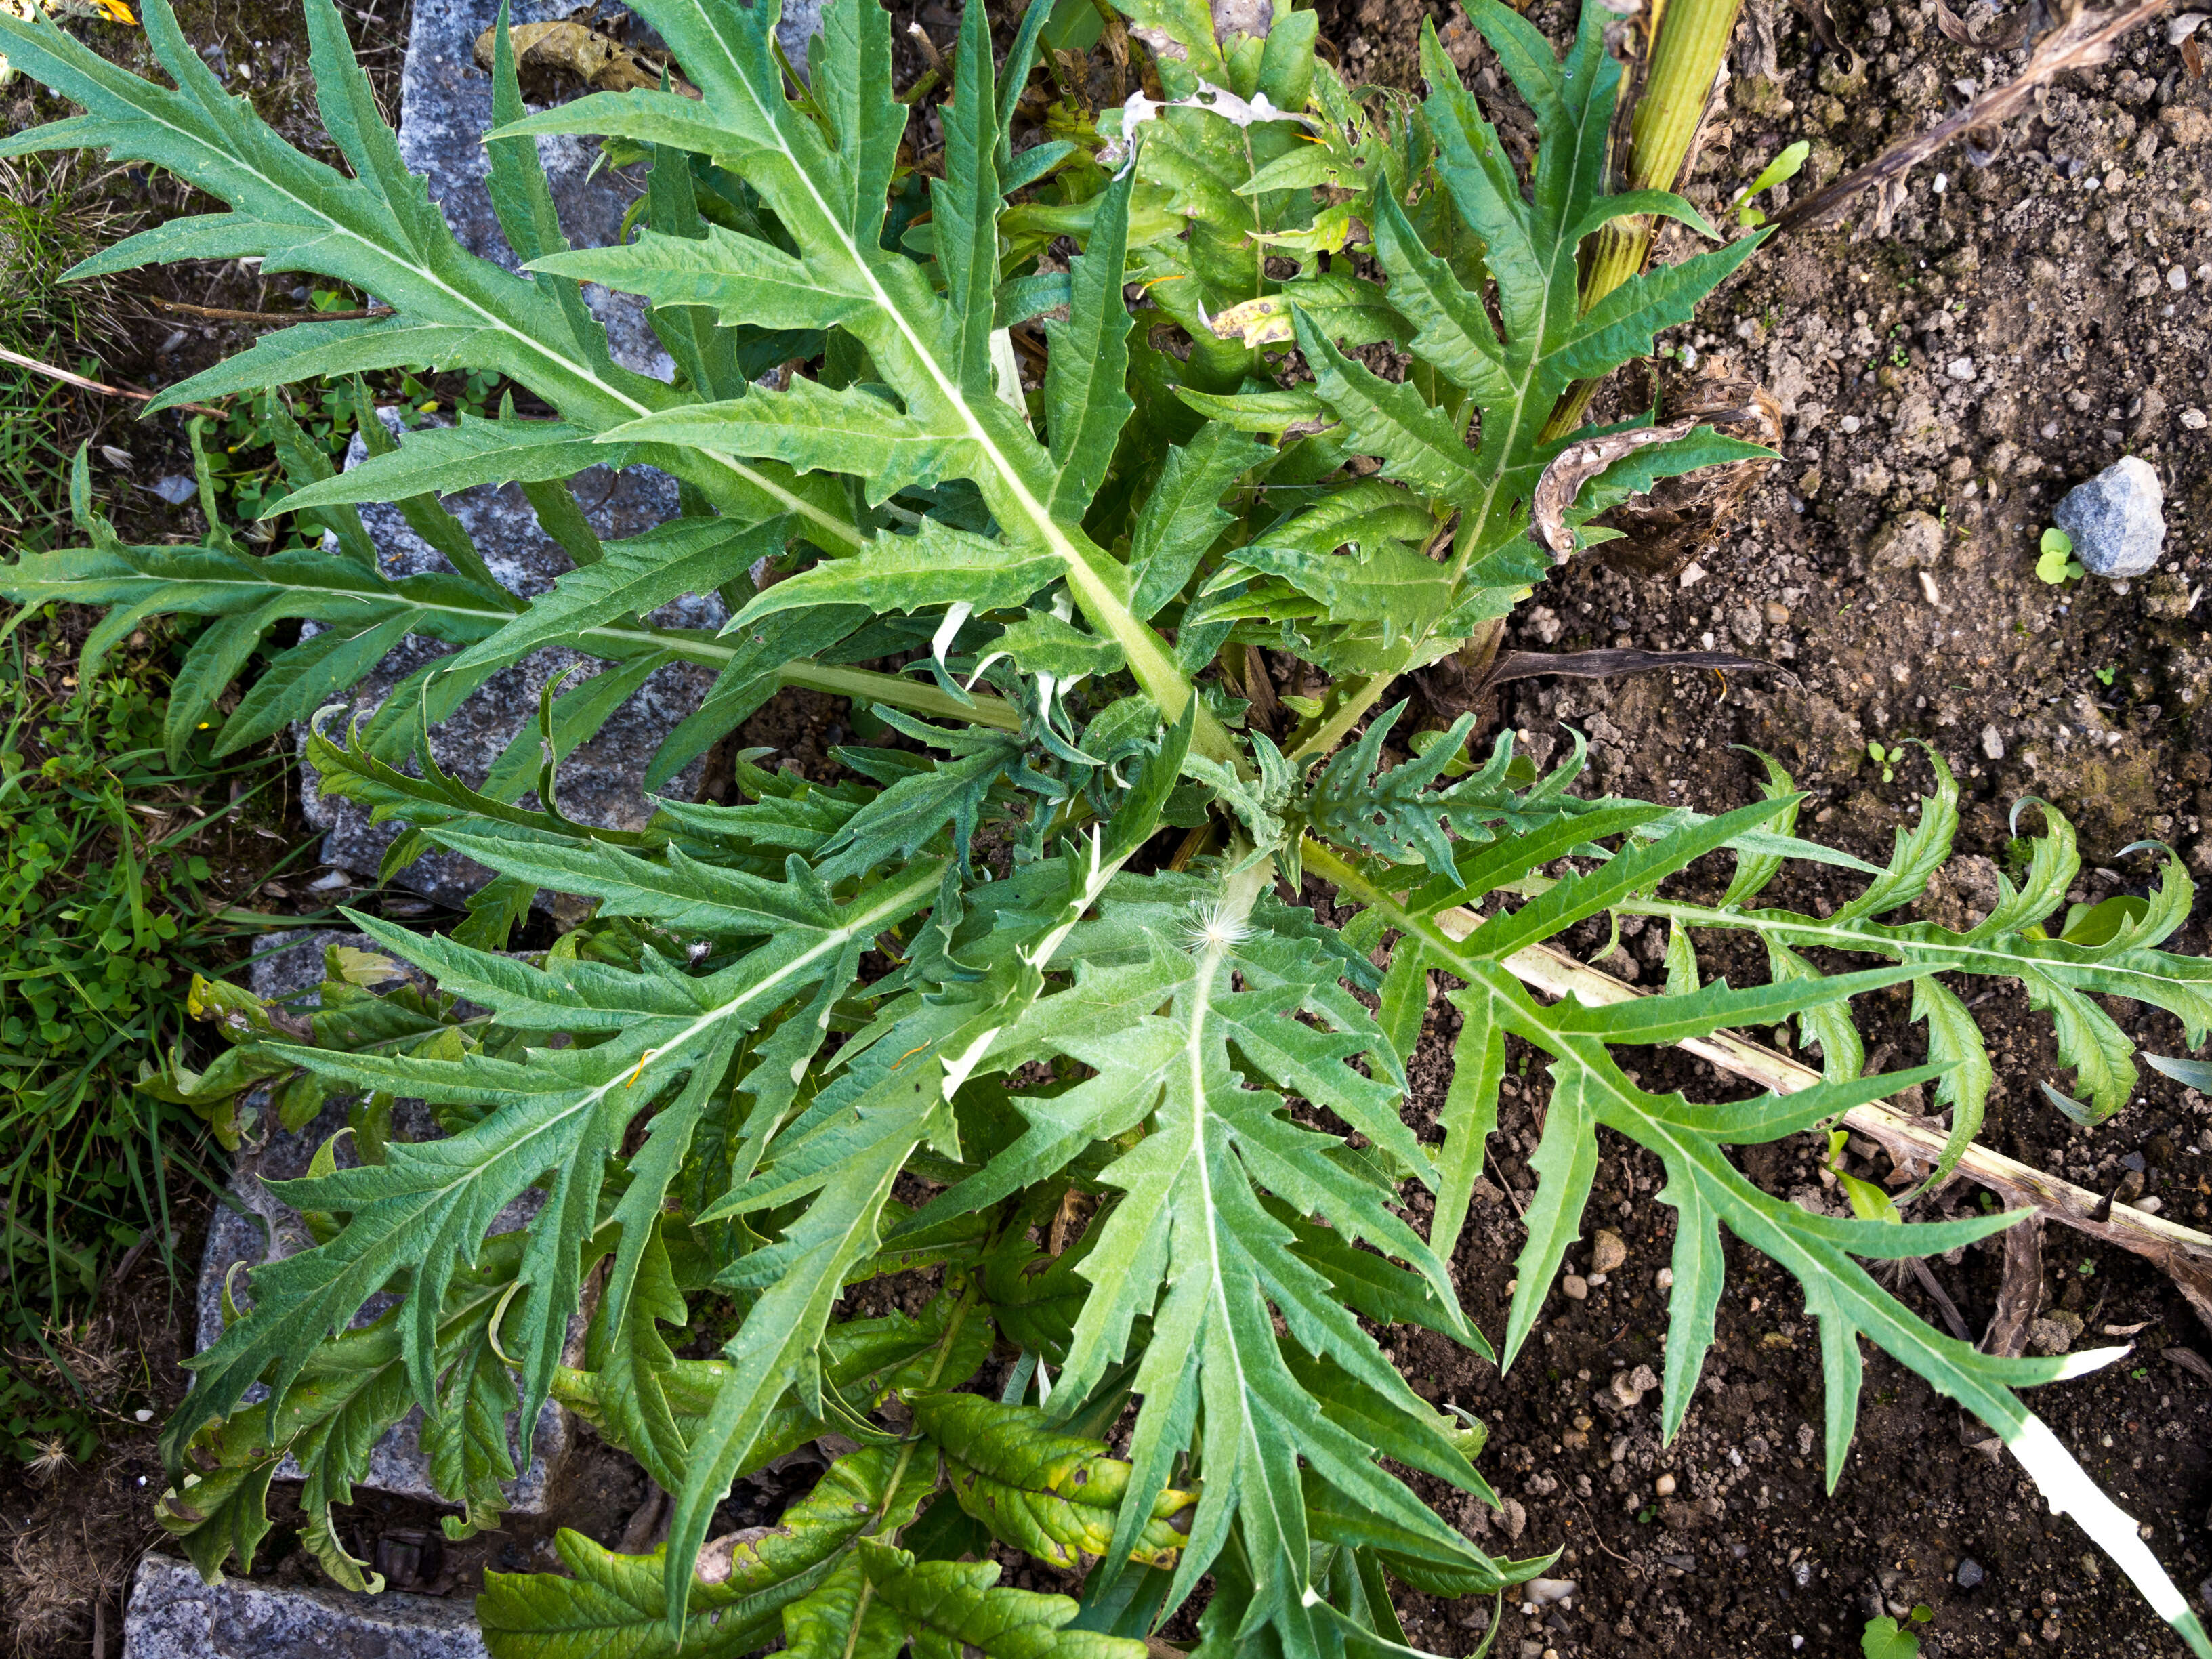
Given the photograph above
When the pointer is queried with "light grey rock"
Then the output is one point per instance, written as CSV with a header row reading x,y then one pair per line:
x,y
2115,519
602,781
263,1228
173,1615
444,107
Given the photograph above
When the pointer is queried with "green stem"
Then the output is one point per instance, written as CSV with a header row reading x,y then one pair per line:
x,y
864,685
1686,58
1337,725
1156,671
1325,862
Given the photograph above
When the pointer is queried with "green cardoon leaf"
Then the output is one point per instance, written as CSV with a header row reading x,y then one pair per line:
x,y
221,1513
1054,1495
2060,978
1086,401
1191,1247
846,1168
467,1442
445,459
1182,516
931,351
377,232
953,1606
633,579
1590,1090
936,565
966,200
427,1208
1419,444
742,1590
346,1395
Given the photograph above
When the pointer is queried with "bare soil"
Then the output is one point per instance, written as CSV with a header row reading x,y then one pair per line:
x,y
2013,329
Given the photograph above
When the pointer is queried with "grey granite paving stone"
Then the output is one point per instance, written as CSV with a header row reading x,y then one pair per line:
x,y
445,109
173,1615
601,782
395,1463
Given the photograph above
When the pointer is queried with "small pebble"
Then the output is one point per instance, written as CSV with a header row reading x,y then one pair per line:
x,y
1576,1286
1961,368
1629,1388
1850,422
1664,1279
2176,279
1608,1251
1664,1485
1693,573
1969,1574
143,1415
2193,419
1993,743
1545,1591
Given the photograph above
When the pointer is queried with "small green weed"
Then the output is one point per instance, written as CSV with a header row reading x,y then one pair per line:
x,y
2057,563
1884,1639
106,912
1886,758
1780,170
33,464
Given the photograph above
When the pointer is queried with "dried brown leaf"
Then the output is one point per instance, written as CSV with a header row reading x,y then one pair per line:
x,y
1610,662
2020,1292
1815,14
1663,530
1574,465
1759,58
2191,1361
572,48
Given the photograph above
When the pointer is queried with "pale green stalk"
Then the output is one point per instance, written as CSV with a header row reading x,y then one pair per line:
x,y
1686,58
